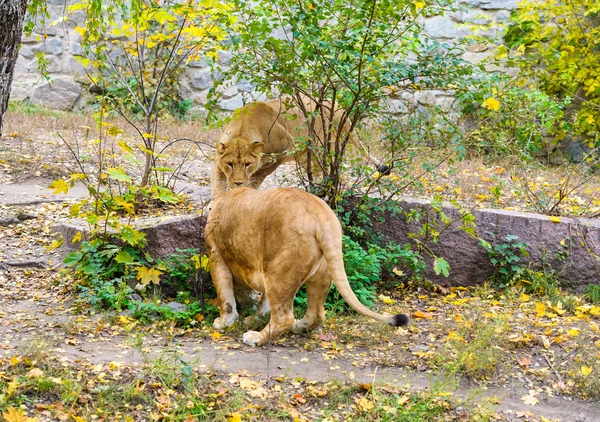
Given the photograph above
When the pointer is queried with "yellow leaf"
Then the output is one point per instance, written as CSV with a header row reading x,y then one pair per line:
x,y
386,299
59,186
524,298
16,415
216,335
419,314
586,370
365,404
12,387
76,238
15,360
419,4
398,272
235,417
148,275
530,399
491,104
540,309
554,219
595,311
78,419
573,332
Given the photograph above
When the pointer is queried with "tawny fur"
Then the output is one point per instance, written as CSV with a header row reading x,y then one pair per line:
x,y
260,137
274,241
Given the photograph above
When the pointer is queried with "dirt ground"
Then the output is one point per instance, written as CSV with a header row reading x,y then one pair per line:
x,y
36,309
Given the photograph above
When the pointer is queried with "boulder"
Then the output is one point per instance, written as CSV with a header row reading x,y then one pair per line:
x,y
570,246
201,79
61,94
50,46
164,234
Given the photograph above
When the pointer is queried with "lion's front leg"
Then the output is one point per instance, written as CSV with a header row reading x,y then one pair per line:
x,y
223,281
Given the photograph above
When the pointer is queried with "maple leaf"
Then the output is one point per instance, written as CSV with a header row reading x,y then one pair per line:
x,y
35,373
148,275
586,370
530,399
419,314
59,186
16,415
491,104
386,299
524,361
235,417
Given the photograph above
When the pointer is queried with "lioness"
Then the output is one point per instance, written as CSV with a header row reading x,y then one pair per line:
x,y
274,241
257,140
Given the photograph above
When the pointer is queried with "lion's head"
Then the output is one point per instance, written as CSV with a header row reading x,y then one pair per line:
x,y
239,159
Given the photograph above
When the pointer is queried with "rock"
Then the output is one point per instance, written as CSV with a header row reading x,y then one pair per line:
x,y
7,220
201,79
444,27
575,265
26,52
134,296
60,95
230,92
426,98
493,4
164,234
396,106
197,63
245,86
575,150
51,46
176,306
232,104
477,47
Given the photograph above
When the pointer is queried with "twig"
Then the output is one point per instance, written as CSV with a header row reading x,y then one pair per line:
x,y
553,368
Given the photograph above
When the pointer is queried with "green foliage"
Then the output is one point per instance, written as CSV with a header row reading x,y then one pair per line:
x,y
365,267
539,283
558,44
505,258
519,125
110,276
593,293
341,54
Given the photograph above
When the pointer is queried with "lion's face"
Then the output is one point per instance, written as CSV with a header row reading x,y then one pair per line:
x,y
239,159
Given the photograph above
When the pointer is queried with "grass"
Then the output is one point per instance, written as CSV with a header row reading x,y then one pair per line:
x,y
168,388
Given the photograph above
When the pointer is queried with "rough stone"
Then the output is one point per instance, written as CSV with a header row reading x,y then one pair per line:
x,y
197,63
477,47
493,4
60,95
201,79
232,104
575,264
26,52
426,98
575,150
502,16
396,106
176,306
230,92
164,234
51,46
7,220
444,27
245,86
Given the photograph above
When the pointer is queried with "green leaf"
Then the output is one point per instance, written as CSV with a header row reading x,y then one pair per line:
x,y
118,174
124,258
72,258
441,266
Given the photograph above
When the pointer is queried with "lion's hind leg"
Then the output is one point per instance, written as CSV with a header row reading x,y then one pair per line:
x,y
317,288
282,316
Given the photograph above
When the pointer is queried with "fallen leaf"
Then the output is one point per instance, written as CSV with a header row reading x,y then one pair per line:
x,y
524,361
35,373
530,399
419,314
540,309
586,370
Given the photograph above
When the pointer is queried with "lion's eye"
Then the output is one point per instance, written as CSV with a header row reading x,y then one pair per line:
x,y
230,164
246,164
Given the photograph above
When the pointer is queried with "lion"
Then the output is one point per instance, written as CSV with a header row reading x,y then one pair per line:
x,y
260,137
275,241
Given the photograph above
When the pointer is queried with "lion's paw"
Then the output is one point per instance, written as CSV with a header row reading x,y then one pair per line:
x,y
252,338
225,321
299,327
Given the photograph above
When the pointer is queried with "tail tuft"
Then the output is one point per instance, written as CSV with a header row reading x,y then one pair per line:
x,y
399,320
383,170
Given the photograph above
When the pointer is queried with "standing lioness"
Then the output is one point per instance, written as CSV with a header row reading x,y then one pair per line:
x,y
260,137
275,241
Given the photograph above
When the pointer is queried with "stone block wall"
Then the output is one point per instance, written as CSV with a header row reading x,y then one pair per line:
x,y
69,86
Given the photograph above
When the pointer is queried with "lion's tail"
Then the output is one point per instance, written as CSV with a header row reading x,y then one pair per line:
x,y
335,262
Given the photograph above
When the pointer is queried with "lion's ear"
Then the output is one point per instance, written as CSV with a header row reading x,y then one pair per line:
x,y
257,147
220,147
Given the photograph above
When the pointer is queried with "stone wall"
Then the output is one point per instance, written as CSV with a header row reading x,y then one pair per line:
x,y
69,87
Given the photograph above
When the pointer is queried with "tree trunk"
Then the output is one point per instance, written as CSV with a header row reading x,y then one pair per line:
x,y
12,15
